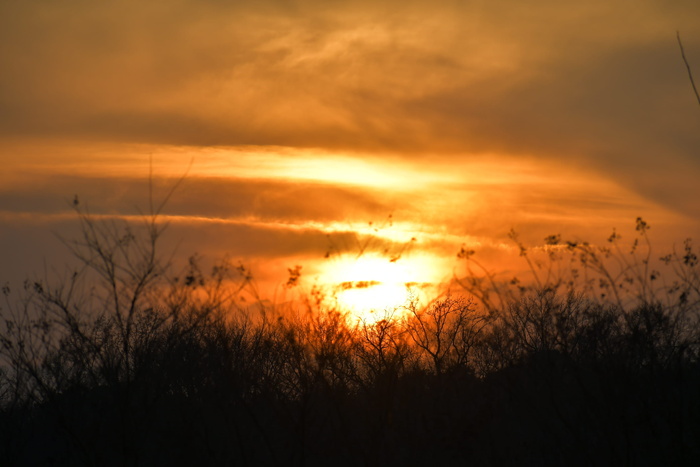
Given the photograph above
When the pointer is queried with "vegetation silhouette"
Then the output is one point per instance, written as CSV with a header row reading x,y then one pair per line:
x,y
593,357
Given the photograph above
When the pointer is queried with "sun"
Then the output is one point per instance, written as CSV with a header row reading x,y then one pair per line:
x,y
371,286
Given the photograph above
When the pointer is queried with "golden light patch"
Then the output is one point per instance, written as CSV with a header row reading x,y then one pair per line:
x,y
317,166
372,285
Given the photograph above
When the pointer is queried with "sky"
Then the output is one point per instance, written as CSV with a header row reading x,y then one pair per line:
x,y
370,130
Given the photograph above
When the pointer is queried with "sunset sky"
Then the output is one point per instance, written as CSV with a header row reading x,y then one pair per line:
x,y
300,122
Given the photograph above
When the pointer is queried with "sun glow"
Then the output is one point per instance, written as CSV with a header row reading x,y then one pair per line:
x,y
371,286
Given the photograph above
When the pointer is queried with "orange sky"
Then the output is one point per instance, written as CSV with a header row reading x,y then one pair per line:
x,y
304,121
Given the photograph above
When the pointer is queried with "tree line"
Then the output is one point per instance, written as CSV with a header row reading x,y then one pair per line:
x,y
595,360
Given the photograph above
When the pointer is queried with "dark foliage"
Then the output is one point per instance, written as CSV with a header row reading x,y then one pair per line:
x,y
121,365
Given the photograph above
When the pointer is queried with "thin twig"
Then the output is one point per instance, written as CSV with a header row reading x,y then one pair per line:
x,y
690,73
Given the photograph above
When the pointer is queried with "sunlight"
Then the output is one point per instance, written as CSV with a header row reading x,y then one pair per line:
x,y
370,285
371,303
319,166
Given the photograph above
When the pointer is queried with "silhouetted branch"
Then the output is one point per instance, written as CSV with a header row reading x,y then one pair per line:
x,y
690,73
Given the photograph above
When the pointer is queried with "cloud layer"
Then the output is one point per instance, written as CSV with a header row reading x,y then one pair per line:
x,y
592,96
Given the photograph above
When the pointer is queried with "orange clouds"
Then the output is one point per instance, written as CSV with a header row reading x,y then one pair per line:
x,y
308,118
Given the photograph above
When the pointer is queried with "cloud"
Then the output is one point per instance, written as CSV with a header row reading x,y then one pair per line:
x,y
33,245
268,200
597,86
336,75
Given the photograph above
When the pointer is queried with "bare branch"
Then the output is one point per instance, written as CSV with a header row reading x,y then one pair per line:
x,y
690,73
